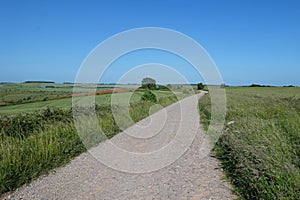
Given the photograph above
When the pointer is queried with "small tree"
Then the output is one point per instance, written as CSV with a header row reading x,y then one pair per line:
x,y
148,83
200,86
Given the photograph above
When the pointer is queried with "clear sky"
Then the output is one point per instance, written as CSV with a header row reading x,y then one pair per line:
x,y
251,41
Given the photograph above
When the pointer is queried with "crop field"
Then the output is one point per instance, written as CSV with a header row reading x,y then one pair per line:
x,y
66,103
29,97
260,145
39,135
19,93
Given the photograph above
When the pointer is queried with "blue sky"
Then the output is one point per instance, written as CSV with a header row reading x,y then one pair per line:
x,y
250,41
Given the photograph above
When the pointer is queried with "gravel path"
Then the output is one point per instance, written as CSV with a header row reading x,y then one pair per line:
x,y
150,165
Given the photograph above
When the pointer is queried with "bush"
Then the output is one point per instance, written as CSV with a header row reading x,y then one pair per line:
x,y
23,124
162,87
149,96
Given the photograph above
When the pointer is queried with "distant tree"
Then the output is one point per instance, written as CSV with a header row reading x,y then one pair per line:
x,y
200,86
39,82
148,83
257,85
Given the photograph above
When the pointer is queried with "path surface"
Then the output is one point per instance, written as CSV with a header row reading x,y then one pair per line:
x,y
188,177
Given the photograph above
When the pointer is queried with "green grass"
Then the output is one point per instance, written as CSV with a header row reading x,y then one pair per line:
x,y
25,159
260,150
266,91
35,142
12,97
18,93
66,103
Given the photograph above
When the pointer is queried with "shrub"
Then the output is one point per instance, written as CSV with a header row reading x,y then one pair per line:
x,y
149,96
162,87
23,124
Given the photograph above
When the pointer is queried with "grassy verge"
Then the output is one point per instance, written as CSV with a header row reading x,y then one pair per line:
x,y
34,143
260,147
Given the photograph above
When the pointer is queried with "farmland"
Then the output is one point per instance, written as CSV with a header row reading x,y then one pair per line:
x,y
259,148
39,134
29,97
19,93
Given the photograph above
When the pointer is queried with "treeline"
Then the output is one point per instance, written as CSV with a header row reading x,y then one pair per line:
x,y
258,85
39,82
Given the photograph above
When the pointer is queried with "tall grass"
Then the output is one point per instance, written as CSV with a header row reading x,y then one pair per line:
x,y
260,147
34,143
23,159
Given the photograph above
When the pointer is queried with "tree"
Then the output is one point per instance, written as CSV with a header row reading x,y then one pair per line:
x,y
200,86
148,83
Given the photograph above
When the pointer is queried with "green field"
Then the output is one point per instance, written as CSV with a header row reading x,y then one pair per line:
x,y
29,97
66,103
266,91
19,93
260,147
